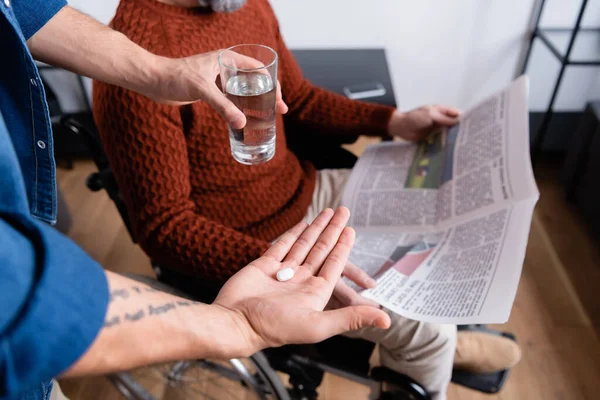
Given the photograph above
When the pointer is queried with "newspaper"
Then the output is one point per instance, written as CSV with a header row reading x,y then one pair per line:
x,y
443,225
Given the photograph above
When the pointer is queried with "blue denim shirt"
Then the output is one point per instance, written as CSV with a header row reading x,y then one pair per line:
x,y
53,297
22,101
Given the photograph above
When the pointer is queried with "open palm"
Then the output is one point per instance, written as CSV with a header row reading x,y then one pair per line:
x,y
271,313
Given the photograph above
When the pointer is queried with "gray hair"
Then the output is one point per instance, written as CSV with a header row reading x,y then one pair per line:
x,y
223,6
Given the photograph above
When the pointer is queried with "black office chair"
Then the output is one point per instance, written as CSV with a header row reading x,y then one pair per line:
x,y
305,364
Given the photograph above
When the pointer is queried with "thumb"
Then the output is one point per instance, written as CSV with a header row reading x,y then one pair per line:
x,y
230,113
335,322
281,107
450,111
441,118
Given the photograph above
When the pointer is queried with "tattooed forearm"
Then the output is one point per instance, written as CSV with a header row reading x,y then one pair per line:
x,y
152,310
124,293
161,309
119,294
112,321
135,316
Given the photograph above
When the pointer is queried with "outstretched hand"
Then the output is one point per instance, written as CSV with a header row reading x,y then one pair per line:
x,y
270,313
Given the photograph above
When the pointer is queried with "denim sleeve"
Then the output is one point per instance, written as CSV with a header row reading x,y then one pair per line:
x,y
54,299
33,14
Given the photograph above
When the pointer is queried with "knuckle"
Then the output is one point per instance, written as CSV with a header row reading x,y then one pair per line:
x,y
302,241
322,246
308,268
337,225
344,246
355,319
321,222
336,258
284,241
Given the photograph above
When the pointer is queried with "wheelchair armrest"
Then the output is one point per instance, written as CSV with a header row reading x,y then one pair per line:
x,y
403,382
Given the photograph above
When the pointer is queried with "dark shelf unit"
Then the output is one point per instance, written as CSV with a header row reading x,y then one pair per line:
x,y
550,37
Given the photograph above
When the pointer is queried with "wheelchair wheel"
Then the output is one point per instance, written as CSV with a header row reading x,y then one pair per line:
x,y
243,379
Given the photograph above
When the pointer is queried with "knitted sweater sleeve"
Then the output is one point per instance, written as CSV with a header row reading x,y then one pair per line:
x,y
146,147
322,111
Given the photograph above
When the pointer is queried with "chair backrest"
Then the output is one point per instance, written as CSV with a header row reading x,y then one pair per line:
x,y
83,125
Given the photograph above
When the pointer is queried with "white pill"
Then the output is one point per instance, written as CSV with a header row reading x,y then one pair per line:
x,y
285,274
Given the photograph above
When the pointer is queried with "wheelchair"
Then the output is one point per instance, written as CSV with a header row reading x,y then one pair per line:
x,y
256,376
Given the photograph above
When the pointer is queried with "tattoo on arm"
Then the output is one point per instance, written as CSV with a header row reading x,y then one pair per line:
x,y
112,321
139,314
126,293
119,294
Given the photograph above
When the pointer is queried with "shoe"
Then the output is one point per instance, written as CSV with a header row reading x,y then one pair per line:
x,y
484,353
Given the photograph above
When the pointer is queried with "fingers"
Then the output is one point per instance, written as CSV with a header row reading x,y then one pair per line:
x,y
347,296
326,242
228,111
450,111
358,276
311,235
445,115
281,107
338,257
283,245
334,322
233,59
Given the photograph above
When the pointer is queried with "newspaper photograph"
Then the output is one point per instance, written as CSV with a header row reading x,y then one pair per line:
x,y
443,225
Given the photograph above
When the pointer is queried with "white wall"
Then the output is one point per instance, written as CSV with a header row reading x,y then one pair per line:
x,y
580,84
102,10
448,51
443,51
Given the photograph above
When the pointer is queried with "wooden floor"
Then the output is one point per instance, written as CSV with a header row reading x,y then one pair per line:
x,y
554,315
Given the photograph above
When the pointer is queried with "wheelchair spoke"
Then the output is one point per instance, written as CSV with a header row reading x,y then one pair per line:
x,y
221,370
205,379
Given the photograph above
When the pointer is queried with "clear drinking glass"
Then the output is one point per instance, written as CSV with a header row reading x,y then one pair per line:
x,y
249,80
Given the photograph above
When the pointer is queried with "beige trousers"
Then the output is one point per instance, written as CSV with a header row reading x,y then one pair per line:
x,y
423,351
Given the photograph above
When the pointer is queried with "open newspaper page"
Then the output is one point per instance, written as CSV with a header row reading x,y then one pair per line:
x,y
467,274
385,192
486,160
443,225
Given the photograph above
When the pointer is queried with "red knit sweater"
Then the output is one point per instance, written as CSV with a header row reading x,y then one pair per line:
x,y
192,207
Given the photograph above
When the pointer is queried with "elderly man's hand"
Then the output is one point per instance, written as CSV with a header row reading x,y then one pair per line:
x,y
267,313
421,122
344,295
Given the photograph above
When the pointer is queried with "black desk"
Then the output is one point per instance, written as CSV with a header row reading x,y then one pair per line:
x,y
336,68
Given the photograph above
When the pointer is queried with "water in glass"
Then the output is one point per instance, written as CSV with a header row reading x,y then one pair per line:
x,y
254,94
